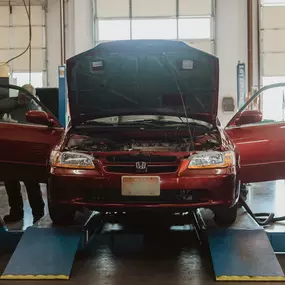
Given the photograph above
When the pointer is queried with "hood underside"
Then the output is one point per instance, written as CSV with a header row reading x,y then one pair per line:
x,y
143,77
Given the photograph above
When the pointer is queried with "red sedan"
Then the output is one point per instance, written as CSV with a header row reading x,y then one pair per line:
x,y
144,136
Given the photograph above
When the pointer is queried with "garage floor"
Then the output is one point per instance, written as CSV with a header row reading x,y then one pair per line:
x,y
161,258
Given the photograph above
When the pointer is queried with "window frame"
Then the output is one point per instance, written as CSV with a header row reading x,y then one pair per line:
x,y
250,101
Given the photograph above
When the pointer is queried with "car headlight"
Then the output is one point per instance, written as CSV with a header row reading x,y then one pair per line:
x,y
212,159
71,160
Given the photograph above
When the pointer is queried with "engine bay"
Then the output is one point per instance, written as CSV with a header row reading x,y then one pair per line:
x,y
105,145
161,141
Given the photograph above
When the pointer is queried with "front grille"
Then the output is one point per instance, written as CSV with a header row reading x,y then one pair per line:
x,y
146,158
150,169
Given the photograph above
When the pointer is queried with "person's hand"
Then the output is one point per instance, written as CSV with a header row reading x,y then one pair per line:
x,y
7,118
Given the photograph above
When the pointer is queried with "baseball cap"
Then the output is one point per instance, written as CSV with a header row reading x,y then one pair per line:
x,y
30,88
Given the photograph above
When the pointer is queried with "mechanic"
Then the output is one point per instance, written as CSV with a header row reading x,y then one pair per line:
x,y
21,105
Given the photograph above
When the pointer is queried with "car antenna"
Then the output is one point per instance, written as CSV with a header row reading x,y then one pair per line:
x,y
183,102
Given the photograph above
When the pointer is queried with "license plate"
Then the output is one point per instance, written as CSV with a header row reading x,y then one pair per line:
x,y
140,185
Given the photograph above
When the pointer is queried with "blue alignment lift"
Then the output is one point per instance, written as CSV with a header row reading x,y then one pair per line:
x,y
46,252
242,252
62,96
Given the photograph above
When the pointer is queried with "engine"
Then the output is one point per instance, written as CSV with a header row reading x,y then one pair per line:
x,y
157,146
104,145
174,144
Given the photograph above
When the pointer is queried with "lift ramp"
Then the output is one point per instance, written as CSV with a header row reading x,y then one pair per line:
x,y
43,253
243,252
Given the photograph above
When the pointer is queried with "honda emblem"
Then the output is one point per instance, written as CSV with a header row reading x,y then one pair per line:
x,y
141,165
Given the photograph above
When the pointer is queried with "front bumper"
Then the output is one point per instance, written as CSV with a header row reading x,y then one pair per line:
x,y
194,189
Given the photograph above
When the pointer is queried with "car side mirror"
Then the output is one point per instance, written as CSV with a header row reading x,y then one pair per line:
x,y
249,117
39,118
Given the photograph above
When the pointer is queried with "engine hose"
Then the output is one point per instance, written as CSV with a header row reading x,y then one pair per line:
x,y
263,219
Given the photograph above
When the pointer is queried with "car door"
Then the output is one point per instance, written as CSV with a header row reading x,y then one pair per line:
x,y
24,146
258,131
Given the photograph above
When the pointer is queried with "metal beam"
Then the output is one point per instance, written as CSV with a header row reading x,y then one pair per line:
x,y
62,32
250,46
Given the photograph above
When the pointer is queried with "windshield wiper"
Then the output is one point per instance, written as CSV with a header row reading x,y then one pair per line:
x,y
149,123
152,122
94,123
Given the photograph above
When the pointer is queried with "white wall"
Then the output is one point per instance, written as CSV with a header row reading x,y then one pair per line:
x,y
80,26
78,33
231,47
231,40
53,42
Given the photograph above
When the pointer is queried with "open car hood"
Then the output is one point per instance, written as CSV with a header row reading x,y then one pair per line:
x,y
143,77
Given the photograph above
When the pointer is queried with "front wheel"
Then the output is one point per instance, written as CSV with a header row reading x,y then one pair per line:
x,y
61,214
225,217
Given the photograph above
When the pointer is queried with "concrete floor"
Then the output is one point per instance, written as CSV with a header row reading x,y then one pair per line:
x,y
157,257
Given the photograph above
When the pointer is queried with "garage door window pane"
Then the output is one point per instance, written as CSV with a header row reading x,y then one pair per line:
x,y
194,28
154,29
114,30
23,78
273,2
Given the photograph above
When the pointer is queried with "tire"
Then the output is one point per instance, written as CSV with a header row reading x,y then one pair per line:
x,y
61,215
226,217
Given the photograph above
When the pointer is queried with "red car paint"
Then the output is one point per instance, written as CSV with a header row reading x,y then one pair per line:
x,y
25,151
218,187
261,149
78,185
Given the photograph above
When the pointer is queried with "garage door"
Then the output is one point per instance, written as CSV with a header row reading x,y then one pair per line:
x,y
14,28
273,38
187,20
272,35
